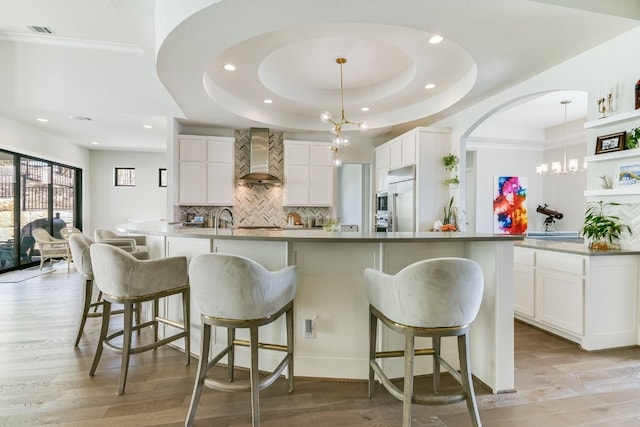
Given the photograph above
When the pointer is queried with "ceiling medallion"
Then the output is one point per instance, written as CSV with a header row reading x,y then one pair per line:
x,y
338,140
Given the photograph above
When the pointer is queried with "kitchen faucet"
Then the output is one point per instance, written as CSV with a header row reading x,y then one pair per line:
x,y
216,222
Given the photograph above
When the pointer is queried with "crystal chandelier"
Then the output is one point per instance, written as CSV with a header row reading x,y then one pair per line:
x,y
557,167
338,139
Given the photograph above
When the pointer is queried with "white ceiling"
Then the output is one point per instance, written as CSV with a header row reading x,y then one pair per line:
x,y
102,62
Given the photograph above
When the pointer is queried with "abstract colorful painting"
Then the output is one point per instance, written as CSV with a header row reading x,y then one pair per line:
x,y
510,205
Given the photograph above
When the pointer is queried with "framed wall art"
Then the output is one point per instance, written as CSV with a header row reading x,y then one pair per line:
x,y
609,143
628,175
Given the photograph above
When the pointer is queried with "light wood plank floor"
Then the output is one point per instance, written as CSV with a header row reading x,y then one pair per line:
x,y
44,381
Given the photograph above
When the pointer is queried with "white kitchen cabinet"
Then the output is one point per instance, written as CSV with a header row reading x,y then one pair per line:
x,y
589,299
308,174
402,151
206,171
382,168
524,281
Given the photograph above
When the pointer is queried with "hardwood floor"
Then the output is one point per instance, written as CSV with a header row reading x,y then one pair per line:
x,y
44,381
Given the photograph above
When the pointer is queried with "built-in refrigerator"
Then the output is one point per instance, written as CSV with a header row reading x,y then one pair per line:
x,y
402,202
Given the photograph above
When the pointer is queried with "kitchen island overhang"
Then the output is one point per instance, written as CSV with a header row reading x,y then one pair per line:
x,y
331,290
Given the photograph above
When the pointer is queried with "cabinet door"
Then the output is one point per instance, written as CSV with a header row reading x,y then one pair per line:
x,y
321,185
382,157
192,150
560,300
382,179
192,183
296,154
296,185
408,149
220,185
395,154
523,289
220,150
320,155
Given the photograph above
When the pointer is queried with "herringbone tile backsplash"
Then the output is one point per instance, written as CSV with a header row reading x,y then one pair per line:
x,y
257,205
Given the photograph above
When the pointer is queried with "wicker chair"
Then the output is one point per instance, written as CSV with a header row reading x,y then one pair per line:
x,y
51,248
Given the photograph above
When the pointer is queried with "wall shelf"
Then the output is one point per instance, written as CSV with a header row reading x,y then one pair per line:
x,y
611,120
634,152
619,195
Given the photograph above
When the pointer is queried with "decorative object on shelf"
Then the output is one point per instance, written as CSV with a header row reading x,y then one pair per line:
x,y
637,95
604,103
601,230
338,139
448,220
510,205
633,138
162,177
558,168
629,175
606,182
611,142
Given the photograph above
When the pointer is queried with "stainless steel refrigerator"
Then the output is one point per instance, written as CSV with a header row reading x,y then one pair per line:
x,y
402,204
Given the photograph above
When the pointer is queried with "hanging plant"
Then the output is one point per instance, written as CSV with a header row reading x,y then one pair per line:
x,y
450,161
453,182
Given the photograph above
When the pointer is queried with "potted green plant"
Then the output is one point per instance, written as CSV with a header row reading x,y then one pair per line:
x,y
453,182
633,138
601,230
450,161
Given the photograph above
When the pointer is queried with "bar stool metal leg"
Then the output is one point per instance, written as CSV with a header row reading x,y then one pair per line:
x,y
373,336
86,304
409,347
126,346
467,380
255,376
205,345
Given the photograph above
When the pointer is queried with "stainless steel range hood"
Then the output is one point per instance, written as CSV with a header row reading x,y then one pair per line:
x,y
259,163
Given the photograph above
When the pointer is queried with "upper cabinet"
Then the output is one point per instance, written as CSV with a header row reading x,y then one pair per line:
x,y
402,151
382,168
308,174
205,171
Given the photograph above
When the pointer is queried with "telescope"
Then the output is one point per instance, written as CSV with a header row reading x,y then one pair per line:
x,y
551,216
544,210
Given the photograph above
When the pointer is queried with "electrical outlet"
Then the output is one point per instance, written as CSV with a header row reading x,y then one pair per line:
x,y
308,329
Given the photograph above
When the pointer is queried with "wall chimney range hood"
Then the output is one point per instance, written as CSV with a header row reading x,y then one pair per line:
x,y
259,163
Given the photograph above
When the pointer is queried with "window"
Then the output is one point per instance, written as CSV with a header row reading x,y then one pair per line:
x,y
162,178
125,177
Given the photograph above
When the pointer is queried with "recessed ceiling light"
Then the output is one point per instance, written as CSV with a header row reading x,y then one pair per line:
x,y
230,67
268,101
147,126
40,119
436,39
95,143
364,109
429,86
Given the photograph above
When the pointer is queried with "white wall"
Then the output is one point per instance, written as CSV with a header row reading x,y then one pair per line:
x,y
587,72
113,205
492,161
31,140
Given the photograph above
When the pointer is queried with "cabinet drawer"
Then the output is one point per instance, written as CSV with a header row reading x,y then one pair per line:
x,y
524,256
573,264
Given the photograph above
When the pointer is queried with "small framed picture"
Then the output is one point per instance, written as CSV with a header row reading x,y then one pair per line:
x,y
162,177
609,143
629,175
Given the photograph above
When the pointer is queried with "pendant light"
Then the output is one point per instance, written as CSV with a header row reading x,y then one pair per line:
x,y
557,167
336,127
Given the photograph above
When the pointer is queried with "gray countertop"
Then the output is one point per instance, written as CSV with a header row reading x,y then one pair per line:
x,y
163,228
572,248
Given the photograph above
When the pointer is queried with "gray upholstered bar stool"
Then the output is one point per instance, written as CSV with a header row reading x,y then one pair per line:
x,y
124,279
103,235
235,292
79,245
432,298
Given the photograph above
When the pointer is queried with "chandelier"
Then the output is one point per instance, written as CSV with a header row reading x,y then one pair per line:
x,y
557,167
338,139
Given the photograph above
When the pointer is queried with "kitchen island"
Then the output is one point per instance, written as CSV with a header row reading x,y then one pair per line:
x,y
587,296
331,291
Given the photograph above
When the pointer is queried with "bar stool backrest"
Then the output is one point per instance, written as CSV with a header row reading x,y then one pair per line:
x,y
234,287
433,293
79,244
